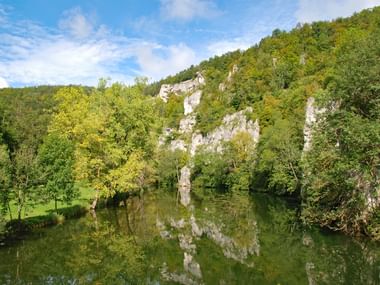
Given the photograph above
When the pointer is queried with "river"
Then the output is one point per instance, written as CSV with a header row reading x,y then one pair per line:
x,y
218,239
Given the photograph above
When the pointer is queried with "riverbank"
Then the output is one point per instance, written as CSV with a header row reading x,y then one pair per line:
x,y
45,216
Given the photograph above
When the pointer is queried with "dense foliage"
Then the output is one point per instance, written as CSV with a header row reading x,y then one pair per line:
x,y
341,187
336,62
106,137
55,139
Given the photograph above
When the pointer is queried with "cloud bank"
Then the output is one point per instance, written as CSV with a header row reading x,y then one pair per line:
x,y
187,10
79,52
316,10
3,83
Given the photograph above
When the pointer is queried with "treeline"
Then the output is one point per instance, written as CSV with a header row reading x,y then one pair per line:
x,y
56,139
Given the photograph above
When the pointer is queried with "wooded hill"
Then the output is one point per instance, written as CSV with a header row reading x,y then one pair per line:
x,y
336,182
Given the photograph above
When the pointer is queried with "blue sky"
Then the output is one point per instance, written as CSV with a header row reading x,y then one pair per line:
x,y
77,42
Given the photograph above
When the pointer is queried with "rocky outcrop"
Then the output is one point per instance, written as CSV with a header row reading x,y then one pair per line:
x,y
192,101
223,85
231,126
178,278
184,186
311,117
191,266
182,87
186,125
232,72
371,197
178,145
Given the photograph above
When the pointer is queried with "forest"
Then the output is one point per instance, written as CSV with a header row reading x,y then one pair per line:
x,y
58,143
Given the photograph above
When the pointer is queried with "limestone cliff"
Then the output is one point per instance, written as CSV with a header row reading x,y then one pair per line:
x,y
311,117
190,139
182,87
231,126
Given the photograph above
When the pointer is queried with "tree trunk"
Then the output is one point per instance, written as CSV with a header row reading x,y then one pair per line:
x,y
55,205
93,205
19,206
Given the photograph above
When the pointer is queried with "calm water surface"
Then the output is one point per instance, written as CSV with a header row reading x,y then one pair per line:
x,y
233,239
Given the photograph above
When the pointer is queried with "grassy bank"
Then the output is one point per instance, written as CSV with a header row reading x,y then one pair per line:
x,y
44,215
43,209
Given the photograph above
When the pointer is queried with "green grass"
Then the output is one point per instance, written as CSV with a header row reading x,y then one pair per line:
x,y
85,196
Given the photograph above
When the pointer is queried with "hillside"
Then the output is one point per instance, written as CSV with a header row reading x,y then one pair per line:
x,y
295,115
330,166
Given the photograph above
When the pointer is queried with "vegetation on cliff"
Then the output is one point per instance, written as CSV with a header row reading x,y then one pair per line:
x,y
110,133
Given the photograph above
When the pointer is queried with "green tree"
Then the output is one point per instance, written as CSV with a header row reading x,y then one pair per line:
x,y
24,179
56,161
279,158
240,154
210,171
111,129
5,180
168,165
341,184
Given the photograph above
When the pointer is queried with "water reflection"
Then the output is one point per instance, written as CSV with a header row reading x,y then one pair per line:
x,y
216,240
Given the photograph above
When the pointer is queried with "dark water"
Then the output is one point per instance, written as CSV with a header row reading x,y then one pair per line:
x,y
231,239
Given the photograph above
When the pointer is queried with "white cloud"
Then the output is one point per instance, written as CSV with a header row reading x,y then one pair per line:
x,y
3,83
224,46
315,10
158,61
186,10
76,23
31,54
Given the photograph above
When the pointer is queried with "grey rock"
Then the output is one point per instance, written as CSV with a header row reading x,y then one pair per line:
x,y
187,124
191,266
178,145
311,117
231,126
192,101
184,186
180,88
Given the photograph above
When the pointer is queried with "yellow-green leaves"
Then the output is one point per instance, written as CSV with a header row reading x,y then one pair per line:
x,y
111,129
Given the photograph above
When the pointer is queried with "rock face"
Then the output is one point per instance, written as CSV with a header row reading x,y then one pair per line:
x,y
183,87
311,117
371,196
232,72
223,85
231,126
187,124
191,265
178,145
372,200
192,101
184,186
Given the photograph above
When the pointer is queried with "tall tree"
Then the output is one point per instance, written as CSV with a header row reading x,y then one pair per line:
x,y
107,127
24,178
56,161
5,180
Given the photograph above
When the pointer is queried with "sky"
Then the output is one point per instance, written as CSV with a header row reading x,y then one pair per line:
x,y
77,42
